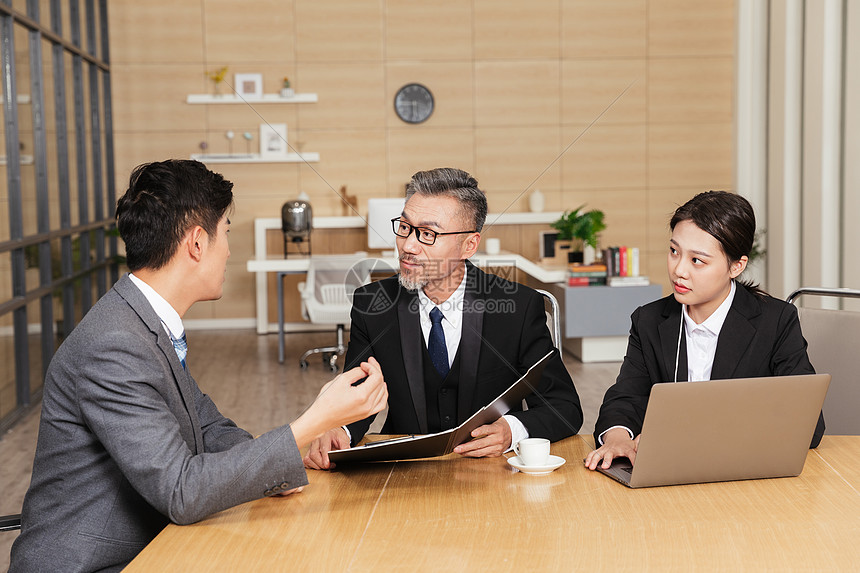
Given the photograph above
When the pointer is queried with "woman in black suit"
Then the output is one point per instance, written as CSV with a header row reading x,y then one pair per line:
x,y
711,327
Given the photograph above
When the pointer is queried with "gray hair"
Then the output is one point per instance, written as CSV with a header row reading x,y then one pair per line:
x,y
451,182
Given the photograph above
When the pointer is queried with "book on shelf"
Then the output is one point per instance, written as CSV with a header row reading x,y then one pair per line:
x,y
587,274
627,281
574,281
590,268
621,261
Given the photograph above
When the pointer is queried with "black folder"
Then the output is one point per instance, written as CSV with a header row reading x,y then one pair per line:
x,y
443,443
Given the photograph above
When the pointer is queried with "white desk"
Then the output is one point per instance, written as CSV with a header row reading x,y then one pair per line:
x,y
597,318
283,267
263,263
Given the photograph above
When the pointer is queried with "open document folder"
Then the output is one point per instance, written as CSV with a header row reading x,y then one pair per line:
x,y
443,443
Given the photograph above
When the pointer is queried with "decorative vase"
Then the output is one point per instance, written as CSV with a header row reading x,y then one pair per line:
x,y
536,201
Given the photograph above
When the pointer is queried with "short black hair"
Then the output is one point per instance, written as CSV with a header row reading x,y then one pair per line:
x,y
163,201
456,183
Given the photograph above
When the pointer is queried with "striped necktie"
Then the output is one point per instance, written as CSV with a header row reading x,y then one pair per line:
x,y
181,346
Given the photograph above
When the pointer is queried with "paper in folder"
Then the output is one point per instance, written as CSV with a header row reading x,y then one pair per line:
x,y
443,443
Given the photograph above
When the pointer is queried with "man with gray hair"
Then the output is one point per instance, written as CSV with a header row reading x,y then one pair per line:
x,y
449,337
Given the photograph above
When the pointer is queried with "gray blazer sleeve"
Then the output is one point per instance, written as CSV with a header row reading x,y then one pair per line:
x,y
124,403
219,433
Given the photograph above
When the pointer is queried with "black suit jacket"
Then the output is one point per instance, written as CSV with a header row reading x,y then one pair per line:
x,y
760,337
503,333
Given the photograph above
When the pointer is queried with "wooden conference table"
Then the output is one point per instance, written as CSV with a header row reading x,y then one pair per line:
x,y
458,514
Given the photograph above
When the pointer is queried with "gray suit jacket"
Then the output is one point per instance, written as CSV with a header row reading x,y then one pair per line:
x,y
128,442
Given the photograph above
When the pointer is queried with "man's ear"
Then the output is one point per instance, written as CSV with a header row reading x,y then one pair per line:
x,y
195,241
470,245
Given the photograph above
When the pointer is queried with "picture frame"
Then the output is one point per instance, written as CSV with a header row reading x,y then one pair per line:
x,y
546,244
249,86
273,140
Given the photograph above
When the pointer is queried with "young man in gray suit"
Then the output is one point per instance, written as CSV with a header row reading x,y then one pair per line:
x,y
127,441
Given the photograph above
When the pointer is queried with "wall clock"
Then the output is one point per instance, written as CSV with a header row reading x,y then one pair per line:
x,y
413,103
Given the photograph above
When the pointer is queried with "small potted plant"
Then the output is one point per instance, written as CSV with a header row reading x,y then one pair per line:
x,y
576,229
286,89
217,77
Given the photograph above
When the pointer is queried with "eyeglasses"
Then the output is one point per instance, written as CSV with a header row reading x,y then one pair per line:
x,y
423,234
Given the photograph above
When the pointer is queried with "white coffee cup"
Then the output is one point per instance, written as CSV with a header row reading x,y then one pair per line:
x,y
533,451
494,246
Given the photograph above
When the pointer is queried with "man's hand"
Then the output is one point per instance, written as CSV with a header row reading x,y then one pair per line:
x,y
490,441
340,403
616,444
317,458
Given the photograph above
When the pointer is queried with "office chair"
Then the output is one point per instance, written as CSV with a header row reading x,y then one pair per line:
x,y
832,336
553,317
327,298
10,522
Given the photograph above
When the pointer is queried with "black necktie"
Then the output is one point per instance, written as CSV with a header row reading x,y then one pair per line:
x,y
436,345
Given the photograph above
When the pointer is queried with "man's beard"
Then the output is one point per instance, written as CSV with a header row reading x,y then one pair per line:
x,y
412,284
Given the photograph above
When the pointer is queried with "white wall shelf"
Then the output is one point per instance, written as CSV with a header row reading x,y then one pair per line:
x,y
267,98
308,157
22,99
24,159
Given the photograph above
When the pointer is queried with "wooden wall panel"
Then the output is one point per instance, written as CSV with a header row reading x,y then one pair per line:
x,y
351,95
597,89
690,90
440,30
517,93
355,158
412,150
514,86
150,98
677,28
506,29
696,156
155,31
614,29
514,158
605,156
254,32
133,148
339,30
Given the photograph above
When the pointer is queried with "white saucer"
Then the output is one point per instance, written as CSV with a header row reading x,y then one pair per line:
x,y
554,463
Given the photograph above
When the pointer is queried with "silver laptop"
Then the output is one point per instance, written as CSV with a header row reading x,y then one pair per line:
x,y
722,430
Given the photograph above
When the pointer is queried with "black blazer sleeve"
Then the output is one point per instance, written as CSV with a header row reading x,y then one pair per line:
x,y
554,409
357,351
625,401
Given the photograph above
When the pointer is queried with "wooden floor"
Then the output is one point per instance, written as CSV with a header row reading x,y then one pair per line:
x,y
240,371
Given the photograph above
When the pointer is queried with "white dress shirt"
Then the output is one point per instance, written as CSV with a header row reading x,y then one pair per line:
x,y
702,339
452,326
170,319
701,342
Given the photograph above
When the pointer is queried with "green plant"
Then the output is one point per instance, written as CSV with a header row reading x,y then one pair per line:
x,y
758,251
583,227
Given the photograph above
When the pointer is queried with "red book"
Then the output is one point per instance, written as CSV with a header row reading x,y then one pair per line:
x,y
624,260
585,281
